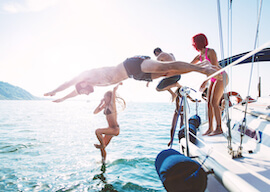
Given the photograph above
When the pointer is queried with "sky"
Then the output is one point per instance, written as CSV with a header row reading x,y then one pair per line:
x,y
47,42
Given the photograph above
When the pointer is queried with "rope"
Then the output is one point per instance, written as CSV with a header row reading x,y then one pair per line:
x,y
195,173
206,157
226,98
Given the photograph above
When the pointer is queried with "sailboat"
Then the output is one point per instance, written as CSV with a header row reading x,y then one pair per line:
x,y
238,159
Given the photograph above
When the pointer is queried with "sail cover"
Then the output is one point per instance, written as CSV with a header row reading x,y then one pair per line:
x,y
263,55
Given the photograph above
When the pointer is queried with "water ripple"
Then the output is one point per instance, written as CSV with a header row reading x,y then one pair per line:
x,y
46,146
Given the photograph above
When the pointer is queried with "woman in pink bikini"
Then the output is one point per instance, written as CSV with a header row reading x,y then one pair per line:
x,y
216,87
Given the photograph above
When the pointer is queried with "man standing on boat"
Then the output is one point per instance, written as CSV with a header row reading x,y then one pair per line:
x,y
167,83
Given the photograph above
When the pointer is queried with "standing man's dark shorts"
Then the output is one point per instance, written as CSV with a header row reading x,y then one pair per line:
x,y
168,81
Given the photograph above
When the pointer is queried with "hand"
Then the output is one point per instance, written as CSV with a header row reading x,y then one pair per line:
x,y
205,63
116,87
203,85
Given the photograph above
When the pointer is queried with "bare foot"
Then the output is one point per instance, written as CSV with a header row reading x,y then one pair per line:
x,y
207,132
216,132
49,94
98,146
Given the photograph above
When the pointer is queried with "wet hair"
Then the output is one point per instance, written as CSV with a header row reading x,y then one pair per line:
x,y
79,87
157,50
199,41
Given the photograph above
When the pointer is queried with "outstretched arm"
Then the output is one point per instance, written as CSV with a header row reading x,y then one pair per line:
x,y
72,94
116,87
114,95
67,84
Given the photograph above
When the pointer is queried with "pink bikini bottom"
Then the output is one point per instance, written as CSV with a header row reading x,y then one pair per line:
x,y
214,79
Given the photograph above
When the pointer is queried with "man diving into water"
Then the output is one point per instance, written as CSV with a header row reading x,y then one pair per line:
x,y
138,68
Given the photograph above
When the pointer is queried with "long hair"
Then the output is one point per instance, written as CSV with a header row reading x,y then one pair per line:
x,y
119,101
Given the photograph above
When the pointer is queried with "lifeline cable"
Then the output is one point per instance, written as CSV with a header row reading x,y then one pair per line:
x,y
239,60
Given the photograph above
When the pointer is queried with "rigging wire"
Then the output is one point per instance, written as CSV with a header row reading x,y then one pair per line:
x,y
255,46
229,60
224,78
258,66
243,125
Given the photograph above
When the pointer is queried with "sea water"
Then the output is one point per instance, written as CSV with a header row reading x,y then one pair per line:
x,y
46,146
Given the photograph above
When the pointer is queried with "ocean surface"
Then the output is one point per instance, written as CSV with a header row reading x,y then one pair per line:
x,y
46,146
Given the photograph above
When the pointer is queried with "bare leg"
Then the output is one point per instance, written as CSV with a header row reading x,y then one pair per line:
x,y
218,89
107,131
210,111
104,141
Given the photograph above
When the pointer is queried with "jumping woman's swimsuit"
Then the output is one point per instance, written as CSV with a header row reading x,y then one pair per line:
x,y
107,111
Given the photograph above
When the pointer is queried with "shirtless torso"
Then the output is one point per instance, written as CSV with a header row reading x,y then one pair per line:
x,y
106,75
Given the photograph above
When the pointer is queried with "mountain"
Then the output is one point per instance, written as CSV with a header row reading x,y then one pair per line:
x,y
10,92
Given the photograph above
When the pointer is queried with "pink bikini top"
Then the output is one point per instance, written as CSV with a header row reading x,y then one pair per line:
x,y
205,56
212,79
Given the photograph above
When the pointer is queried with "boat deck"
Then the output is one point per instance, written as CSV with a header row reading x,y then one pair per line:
x,y
253,168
